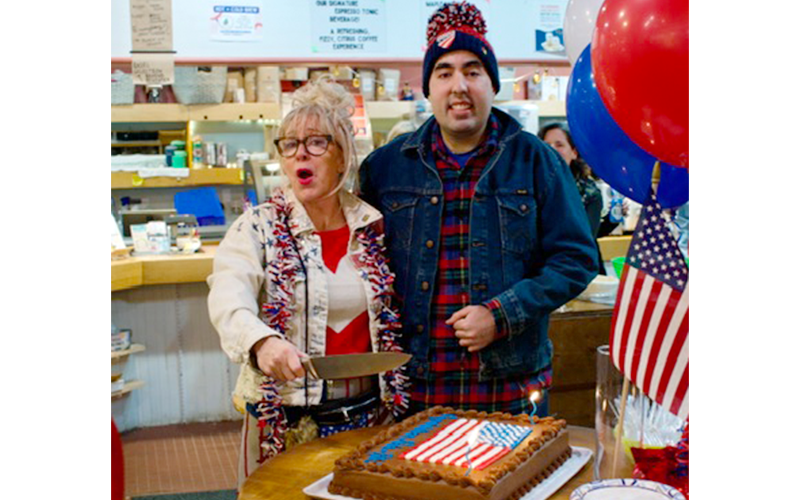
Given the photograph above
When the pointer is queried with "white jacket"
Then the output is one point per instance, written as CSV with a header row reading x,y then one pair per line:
x,y
240,285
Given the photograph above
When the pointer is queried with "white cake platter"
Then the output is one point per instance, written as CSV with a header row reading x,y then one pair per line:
x,y
542,491
626,489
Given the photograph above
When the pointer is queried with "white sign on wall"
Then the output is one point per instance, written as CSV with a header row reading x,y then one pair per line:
x,y
549,22
237,22
348,26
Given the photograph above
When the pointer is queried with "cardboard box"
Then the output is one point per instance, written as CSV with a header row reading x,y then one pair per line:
x,y
268,84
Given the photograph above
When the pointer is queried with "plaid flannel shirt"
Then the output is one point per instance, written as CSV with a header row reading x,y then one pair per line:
x,y
453,379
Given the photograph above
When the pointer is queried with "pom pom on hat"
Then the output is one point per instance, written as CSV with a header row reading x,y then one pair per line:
x,y
458,26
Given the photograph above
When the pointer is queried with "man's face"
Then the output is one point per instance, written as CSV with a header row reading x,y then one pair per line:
x,y
461,95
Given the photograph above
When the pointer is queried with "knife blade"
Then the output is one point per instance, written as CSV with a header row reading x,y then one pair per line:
x,y
340,366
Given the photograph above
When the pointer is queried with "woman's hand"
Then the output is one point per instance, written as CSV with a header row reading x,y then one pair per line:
x,y
279,359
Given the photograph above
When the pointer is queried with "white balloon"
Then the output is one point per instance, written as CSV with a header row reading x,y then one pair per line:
x,y
579,20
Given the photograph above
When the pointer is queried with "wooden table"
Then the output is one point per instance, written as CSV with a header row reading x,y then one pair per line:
x,y
285,476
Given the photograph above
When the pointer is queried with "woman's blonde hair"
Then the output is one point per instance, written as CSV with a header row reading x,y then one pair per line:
x,y
329,106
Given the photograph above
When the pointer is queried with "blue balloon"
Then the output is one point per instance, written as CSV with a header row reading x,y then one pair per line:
x,y
611,154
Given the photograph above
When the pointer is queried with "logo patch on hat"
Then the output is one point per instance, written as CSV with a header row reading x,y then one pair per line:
x,y
445,40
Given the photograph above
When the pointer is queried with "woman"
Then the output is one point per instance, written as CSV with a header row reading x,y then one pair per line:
x,y
304,274
557,136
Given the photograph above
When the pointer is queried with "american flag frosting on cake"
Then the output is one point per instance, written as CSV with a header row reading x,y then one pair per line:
x,y
450,445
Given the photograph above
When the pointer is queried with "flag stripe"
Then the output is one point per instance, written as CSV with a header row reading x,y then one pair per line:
x,y
409,455
665,353
651,335
636,325
672,398
658,339
633,300
647,319
447,441
621,311
672,369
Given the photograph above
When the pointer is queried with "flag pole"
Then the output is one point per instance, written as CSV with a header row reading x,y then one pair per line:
x,y
626,387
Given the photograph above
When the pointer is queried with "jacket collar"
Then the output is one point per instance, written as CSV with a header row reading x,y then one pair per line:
x,y
357,212
421,138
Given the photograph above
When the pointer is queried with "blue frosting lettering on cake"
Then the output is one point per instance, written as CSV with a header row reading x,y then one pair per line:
x,y
406,440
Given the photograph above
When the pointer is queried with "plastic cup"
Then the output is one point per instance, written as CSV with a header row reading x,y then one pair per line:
x,y
619,263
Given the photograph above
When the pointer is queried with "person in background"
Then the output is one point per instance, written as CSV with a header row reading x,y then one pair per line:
x,y
557,135
485,232
304,274
400,128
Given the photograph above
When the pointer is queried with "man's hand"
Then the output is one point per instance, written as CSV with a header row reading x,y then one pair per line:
x,y
474,327
279,358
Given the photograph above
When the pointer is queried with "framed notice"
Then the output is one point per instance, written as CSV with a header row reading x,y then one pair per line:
x,y
549,22
237,22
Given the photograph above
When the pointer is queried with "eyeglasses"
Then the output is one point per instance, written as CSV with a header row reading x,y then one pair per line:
x,y
315,145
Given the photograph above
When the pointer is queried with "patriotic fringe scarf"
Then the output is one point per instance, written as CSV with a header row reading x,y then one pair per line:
x,y
283,271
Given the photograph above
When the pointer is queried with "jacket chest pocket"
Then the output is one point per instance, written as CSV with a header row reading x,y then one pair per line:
x,y
517,222
398,215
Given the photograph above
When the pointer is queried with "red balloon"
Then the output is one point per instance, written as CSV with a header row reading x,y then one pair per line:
x,y
640,61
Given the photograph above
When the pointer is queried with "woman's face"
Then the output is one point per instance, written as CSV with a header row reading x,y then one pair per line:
x,y
313,177
558,139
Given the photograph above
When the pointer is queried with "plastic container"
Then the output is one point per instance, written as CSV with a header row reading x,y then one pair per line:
x,y
619,263
179,159
169,154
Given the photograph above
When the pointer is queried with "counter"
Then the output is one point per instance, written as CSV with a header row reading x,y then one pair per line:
x,y
188,378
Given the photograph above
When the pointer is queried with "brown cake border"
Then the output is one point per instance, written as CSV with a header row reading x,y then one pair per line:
x,y
354,461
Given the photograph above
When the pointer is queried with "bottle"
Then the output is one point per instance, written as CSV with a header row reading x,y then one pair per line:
x,y
615,210
198,155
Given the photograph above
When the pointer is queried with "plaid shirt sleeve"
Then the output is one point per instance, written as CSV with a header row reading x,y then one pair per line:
x,y
500,320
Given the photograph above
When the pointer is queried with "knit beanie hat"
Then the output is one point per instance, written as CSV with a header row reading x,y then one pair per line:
x,y
458,26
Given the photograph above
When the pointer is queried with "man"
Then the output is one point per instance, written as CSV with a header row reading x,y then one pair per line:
x,y
485,231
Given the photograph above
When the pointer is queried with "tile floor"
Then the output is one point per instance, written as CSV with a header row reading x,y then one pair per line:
x,y
181,458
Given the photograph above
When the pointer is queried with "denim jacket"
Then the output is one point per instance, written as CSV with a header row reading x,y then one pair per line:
x,y
530,246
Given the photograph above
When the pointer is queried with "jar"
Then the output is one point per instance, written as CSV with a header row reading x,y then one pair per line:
x,y
179,159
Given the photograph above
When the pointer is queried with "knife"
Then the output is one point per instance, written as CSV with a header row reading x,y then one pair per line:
x,y
340,366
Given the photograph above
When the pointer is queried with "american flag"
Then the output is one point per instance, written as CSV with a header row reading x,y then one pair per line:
x,y
450,445
650,329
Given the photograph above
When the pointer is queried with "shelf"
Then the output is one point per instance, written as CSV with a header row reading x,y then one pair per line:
x,y
233,112
133,349
150,113
197,177
128,387
139,113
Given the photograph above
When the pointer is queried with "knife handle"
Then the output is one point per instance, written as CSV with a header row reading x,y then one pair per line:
x,y
309,367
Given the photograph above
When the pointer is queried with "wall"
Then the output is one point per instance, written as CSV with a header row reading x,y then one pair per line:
x,y
291,30
187,376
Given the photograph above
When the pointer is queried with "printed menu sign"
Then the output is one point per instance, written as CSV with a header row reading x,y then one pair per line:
x,y
348,26
151,25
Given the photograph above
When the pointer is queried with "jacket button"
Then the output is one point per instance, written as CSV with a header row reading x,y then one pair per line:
x,y
394,204
420,370
420,328
523,207
429,243
425,285
435,200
